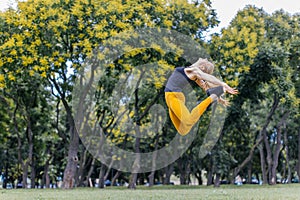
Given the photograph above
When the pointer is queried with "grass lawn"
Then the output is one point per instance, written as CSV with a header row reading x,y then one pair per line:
x,y
244,192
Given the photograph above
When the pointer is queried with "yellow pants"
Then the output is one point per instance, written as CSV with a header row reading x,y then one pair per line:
x,y
181,117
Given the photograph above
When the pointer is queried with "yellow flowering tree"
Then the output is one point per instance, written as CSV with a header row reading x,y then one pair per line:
x,y
235,49
259,53
50,40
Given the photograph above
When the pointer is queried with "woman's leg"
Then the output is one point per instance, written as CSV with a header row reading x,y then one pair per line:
x,y
181,117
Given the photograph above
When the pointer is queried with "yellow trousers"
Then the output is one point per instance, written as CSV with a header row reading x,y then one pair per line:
x,y
181,117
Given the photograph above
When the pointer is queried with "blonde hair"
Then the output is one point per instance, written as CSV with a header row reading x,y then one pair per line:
x,y
205,65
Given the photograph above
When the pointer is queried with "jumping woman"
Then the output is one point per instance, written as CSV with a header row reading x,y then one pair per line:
x,y
200,73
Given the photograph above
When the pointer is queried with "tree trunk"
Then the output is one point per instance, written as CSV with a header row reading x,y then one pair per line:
x,y
262,164
273,180
249,172
32,173
198,175
46,179
269,156
286,142
151,178
277,148
184,170
32,160
261,137
210,172
298,168
182,167
263,133
16,129
116,176
84,162
217,180
154,156
90,172
136,165
19,143
101,176
72,159
25,175
132,181
248,159
28,161
168,172
30,150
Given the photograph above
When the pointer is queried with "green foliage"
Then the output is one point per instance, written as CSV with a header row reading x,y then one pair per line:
x,y
237,46
270,69
44,44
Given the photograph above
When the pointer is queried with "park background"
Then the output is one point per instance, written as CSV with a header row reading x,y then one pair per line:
x,y
257,52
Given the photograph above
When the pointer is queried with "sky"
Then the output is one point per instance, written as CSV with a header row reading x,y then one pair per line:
x,y
227,9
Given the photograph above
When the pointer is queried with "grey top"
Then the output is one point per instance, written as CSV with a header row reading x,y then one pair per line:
x,y
177,81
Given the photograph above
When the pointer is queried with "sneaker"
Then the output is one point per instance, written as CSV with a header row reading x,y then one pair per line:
x,y
216,90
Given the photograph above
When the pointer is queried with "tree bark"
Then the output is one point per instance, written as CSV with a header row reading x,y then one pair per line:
x,y
31,162
183,170
28,161
136,165
85,161
198,175
46,178
217,180
298,168
277,148
168,172
115,177
263,165
210,172
72,159
88,176
269,156
101,176
263,133
32,173
286,148
275,158
132,181
151,176
249,172
248,159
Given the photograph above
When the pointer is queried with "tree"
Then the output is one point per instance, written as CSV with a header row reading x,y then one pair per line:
x,y
234,52
52,39
266,78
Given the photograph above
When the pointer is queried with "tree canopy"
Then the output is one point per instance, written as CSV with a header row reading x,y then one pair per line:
x,y
46,45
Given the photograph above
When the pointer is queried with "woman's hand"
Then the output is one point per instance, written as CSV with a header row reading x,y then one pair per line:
x,y
229,89
223,101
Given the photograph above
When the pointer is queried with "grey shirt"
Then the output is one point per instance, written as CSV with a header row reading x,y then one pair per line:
x,y
177,81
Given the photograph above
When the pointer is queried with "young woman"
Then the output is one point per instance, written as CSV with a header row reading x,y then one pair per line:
x,y
200,73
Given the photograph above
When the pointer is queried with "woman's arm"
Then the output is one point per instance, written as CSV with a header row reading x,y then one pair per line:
x,y
194,73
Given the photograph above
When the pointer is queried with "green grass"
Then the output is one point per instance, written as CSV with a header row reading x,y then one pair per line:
x,y
244,192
